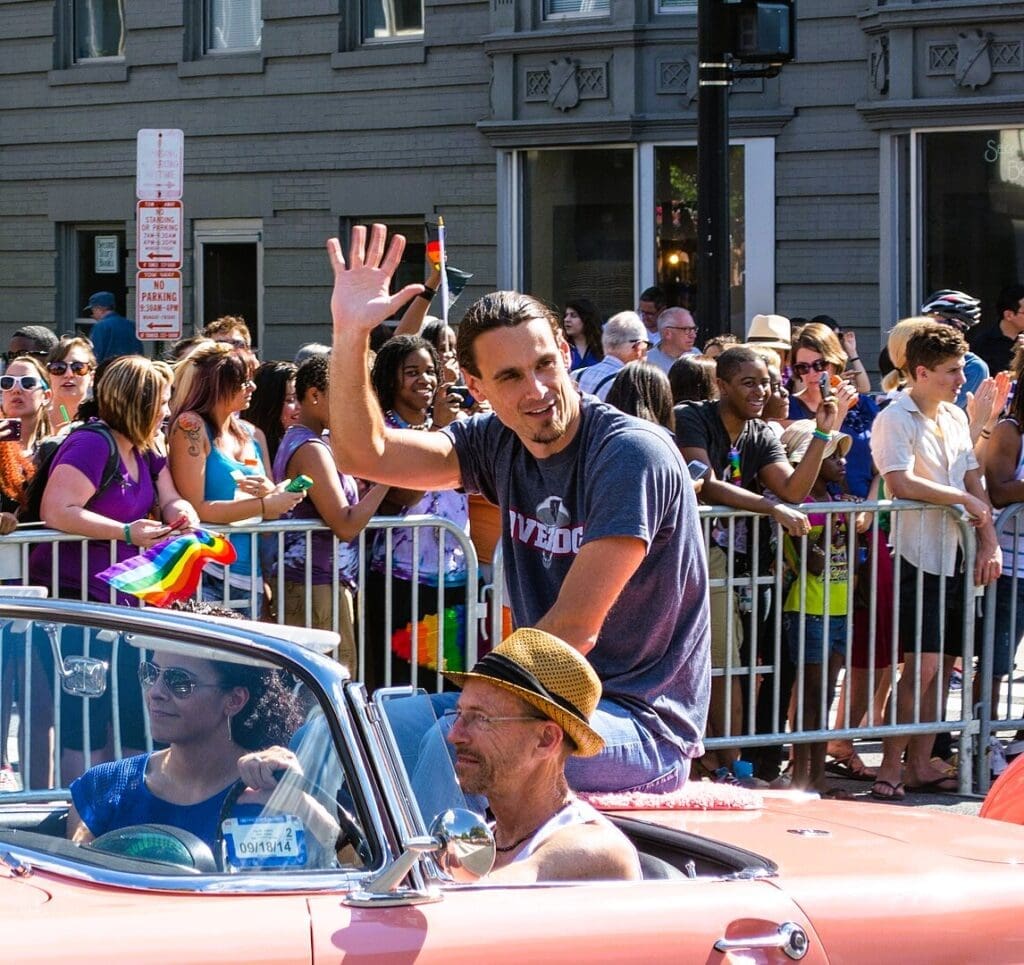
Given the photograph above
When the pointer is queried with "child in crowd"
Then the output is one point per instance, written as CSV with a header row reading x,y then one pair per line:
x,y
815,609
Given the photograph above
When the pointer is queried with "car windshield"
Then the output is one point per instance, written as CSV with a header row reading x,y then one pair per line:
x,y
141,750
422,753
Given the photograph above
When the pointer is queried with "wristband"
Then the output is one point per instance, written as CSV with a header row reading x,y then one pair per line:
x,y
856,358
822,435
427,294
128,534
986,433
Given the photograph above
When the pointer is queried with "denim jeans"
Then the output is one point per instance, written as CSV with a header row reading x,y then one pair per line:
x,y
633,759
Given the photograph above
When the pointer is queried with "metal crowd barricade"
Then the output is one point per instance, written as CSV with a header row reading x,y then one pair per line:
x,y
999,705
759,678
24,648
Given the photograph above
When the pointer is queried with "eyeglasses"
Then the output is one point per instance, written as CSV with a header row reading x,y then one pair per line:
x,y
681,328
9,357
642,341
802,368
179,682
247,386
234,342
78,368
474,720
27,382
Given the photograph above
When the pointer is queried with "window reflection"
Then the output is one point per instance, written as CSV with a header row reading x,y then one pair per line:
x,y
675,227
578,237
972,222
99,29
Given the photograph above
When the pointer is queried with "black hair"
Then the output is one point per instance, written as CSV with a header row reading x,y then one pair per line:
x,y
44,338
641,389
1008,299
733,359
591,319
268,397
90,408
314,373
655,295
388,364
433,331
271,714
692,379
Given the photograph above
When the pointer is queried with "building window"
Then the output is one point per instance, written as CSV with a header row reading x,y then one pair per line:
x,y
971,225
391,19
99,29
560,9
578,235
675,226
233,24
677,6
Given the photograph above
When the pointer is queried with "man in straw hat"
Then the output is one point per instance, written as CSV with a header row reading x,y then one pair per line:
x,y
523,712
601,539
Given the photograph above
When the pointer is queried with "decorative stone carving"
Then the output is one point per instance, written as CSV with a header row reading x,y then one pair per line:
x,y
565,82
973,59
563,86
878,65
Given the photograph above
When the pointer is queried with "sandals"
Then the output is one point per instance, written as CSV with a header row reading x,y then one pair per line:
x,y
850,768
893,792
941,785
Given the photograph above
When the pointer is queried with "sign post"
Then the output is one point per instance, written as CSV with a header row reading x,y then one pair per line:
x,y
159,177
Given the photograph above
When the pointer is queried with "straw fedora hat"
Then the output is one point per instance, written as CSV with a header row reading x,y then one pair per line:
x,y
773,331
798,435
548,674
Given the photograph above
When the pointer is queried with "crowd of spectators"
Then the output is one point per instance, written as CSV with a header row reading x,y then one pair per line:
x,y
785,419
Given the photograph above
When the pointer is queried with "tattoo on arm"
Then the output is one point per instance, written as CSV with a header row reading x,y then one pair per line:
x,y
191,426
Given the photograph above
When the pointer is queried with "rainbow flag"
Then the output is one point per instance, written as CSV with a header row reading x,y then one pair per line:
x,y
169,570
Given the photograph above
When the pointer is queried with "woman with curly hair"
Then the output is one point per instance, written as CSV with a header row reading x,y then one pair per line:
x,y
209,713
582,329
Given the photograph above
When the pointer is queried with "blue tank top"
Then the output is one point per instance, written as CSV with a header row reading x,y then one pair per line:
x,y
221,485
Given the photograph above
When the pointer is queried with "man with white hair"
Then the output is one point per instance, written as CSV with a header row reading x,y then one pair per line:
x,y
624,339
678,333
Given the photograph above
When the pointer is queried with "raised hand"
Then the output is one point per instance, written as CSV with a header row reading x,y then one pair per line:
x,y
361,299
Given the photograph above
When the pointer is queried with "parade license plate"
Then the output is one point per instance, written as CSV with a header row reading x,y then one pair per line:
x,y
272,841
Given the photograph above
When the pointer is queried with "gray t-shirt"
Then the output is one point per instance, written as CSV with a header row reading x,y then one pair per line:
x,y
619,476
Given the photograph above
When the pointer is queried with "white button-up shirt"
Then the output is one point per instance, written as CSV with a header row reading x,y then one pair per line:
x,y
903,438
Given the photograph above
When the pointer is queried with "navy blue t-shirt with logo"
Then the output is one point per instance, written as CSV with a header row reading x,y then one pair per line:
x,y
620,476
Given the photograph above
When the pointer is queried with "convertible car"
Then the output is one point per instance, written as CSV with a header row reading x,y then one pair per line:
x,y
355,852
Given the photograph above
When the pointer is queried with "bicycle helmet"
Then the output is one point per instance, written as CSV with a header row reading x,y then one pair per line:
x,y
953,306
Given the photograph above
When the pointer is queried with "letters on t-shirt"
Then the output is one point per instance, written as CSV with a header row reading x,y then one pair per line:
x,y
549,530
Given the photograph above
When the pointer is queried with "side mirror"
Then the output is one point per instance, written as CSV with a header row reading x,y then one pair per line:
x,y
466,848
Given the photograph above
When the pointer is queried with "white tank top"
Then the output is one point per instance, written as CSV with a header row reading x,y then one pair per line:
x,y
575,812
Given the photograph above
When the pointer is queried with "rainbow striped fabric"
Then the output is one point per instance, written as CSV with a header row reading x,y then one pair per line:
x,y
169,570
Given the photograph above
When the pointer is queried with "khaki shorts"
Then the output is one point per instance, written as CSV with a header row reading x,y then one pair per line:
x,y
322,617
722,599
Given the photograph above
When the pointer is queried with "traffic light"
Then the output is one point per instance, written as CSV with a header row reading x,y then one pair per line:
x,y
762,31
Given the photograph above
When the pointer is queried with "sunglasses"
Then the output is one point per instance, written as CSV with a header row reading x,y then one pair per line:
x,y
9,357
802,368
234,342
26,382
179,682
77,368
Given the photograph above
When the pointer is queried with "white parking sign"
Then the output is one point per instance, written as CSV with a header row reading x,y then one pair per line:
x,y
158,304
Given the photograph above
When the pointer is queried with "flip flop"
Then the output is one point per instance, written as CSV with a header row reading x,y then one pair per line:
x,y
895,793
941,785
850,768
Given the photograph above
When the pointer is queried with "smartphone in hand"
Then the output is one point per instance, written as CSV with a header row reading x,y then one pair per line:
x,y
10,430
299,484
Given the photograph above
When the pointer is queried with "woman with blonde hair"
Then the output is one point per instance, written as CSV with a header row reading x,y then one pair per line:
x,y
817,356
115,513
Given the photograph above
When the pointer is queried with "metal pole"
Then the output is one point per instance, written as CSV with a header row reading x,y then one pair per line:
x,y
713,307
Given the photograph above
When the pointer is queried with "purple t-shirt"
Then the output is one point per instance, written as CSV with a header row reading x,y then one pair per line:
x,y
125,500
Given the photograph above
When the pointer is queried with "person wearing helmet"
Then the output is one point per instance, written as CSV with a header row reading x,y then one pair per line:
x,y
963,312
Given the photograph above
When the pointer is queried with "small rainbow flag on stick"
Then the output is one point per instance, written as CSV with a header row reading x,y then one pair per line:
x,y
169,570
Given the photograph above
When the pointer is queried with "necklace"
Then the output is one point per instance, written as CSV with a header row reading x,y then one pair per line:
x,y
529,834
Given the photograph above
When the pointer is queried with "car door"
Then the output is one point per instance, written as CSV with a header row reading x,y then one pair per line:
x,y
652,921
